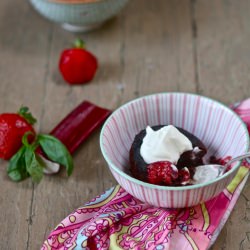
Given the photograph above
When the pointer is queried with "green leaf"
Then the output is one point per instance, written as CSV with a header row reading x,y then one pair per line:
x,y
27,163
24,112
17,167
56,151
33,165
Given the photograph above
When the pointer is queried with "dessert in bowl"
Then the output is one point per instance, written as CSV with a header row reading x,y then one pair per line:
x,y
169,156
220,130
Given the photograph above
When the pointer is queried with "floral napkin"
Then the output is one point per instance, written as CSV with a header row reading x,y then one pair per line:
x,y
116,220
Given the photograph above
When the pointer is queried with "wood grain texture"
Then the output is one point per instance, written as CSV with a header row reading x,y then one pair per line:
x,y
222,48
222,37
193,46
22,68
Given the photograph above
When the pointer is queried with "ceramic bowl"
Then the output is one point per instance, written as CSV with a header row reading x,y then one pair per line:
x,y
78,15
220,129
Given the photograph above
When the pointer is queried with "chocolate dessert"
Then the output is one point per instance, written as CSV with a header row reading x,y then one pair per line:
x,y
185,165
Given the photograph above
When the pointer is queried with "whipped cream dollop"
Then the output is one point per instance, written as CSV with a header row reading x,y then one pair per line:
x,y
205,173
165,144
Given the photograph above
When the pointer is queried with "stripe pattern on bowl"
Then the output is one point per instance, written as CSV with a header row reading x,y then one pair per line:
x,y
171,198
222,132
74,1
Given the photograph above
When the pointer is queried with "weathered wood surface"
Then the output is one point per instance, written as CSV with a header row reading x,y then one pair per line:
x,y
196,46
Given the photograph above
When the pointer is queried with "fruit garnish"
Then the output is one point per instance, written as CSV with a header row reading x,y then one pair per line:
x,y
166,173
220,161
162,173
26,162
77,65
12,128
183,176
45,153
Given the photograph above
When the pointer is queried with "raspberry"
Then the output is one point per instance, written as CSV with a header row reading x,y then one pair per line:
x,y
220,161
225,160
162,173
183,176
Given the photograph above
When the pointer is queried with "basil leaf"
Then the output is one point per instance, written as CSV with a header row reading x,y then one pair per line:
x,y
33,166
56,151
17,167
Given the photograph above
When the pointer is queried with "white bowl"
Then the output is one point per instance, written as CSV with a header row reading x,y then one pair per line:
x,y
78,15
218,127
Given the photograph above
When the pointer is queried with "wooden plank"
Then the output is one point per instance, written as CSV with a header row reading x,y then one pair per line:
x,y
166,46
222,46
22,69
158,45
134,61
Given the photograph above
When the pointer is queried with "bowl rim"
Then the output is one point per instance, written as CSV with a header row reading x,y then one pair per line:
x,y
75,1
179,188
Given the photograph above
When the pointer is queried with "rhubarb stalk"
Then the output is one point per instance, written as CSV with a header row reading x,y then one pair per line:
x,y
75,128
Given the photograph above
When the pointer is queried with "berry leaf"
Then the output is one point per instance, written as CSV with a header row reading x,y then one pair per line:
x,y
24,112
17,167
56,151
33,165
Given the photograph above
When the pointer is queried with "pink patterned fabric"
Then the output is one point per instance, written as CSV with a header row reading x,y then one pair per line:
x,y
116,220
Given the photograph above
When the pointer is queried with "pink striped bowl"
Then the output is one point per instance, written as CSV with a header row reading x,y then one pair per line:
x,y
220,129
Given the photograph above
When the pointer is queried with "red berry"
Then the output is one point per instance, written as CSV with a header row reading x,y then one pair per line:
x,y
12,128
183,176
225,160
78,65
248,127
162,173
220,161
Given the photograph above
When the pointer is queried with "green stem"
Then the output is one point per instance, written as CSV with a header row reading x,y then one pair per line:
x,y
26,143
79,44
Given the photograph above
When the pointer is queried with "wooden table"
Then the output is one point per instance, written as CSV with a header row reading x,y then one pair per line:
x,y
196,46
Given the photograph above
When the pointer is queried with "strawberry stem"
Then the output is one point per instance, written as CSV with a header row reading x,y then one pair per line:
x,y
24,112
79,44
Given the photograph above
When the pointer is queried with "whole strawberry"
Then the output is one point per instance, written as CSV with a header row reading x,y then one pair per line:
x,y
162,173
77,65
12,128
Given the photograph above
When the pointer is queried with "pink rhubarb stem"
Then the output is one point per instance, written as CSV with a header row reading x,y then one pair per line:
x,y
75,128
78,125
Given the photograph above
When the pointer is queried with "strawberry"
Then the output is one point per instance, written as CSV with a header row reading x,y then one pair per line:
x,y
77,65
12,128
162,173
21,145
